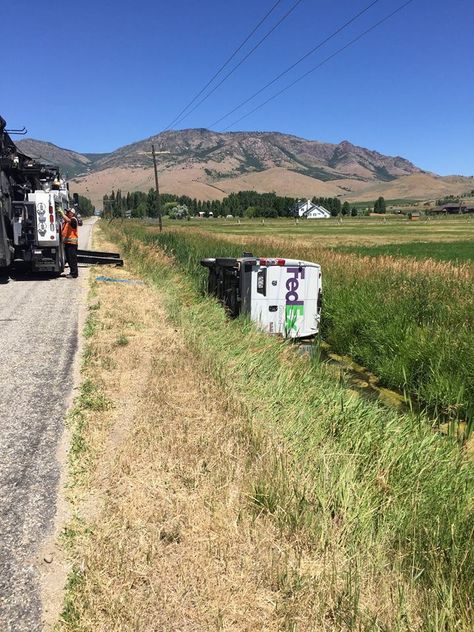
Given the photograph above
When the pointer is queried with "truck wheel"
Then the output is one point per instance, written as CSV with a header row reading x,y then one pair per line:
x,y
4,275
59,264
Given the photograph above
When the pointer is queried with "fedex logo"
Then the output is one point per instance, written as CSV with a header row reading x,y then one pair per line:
x,y
294,307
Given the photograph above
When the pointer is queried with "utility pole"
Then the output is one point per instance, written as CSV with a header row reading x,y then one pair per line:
x,y
160,223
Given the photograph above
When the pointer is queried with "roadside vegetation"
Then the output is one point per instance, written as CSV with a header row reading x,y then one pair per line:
x,y
410,322
241,487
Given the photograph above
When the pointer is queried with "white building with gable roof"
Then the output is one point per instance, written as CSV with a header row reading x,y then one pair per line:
x,y
309,210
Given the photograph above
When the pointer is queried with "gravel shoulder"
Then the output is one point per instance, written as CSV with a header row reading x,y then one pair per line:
x,y
38,346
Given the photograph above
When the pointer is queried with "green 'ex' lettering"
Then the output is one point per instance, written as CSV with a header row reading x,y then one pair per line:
x,y
291,314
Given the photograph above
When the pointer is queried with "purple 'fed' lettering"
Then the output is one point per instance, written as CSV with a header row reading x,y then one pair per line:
x,y
292,284
294,307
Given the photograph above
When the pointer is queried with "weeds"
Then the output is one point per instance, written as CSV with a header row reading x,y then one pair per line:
x,y
92,398
389,501
122,341
71,616
90,326
410,322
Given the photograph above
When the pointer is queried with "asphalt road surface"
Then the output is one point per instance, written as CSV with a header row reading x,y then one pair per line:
x,y
38,342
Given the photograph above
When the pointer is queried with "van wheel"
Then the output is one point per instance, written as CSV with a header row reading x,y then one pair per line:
x,y
4,277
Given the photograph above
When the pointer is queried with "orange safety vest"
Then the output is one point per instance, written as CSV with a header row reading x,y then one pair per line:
x,y
70,234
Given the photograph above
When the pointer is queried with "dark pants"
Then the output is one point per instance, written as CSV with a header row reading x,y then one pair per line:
x,y
70,250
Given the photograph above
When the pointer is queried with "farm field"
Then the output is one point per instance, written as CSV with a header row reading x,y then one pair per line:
x,y
348,231
410,321
367,512
454,251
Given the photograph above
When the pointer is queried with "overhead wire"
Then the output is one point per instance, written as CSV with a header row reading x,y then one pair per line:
x,y
251,51
337,52
296,63
226,63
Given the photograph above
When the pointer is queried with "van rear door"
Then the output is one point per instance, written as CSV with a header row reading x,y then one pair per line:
x,y
267,300
285,298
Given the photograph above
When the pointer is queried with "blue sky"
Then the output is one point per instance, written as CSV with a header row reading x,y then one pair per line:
x,y
97,74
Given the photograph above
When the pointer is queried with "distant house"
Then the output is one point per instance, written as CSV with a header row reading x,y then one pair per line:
x,y
452,209
306,209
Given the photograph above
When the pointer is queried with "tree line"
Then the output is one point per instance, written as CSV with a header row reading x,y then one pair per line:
x,y
241,204
85,206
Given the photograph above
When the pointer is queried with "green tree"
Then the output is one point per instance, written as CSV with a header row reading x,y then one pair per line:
x,y
140,210
250,212
109,205
346,209
152,203
85,206
380,206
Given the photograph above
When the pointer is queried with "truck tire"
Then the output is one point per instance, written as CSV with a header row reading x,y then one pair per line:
x,y
4,275
59,263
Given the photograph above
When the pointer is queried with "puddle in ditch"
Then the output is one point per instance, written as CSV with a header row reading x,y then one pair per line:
x,y
357,377
364,383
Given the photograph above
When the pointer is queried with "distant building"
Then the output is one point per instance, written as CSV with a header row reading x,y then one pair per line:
x,y
452,209
309,210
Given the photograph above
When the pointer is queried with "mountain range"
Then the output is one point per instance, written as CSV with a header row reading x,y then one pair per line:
x,y
210,165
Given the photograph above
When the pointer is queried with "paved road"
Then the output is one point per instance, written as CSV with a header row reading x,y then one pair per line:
x,y
38,342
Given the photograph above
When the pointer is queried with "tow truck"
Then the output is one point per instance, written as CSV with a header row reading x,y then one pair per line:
x,y
31,198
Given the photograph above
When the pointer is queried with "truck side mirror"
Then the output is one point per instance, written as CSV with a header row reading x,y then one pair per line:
x,y
75,197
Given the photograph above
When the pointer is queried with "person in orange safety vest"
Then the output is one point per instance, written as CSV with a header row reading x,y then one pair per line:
x,y
71,241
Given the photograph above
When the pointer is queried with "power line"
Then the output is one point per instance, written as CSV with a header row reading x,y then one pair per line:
x,y
340,50
226,63
297,62
252,50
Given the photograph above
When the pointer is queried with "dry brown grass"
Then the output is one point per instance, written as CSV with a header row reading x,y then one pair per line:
x,y
170,536
172,545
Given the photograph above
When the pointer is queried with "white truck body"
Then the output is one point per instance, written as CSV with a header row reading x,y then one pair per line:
x,y
31,194
282,296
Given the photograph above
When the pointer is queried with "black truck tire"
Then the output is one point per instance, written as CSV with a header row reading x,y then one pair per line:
x,y
4,275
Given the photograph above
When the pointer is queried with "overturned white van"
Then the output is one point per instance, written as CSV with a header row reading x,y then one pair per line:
x,y
283,296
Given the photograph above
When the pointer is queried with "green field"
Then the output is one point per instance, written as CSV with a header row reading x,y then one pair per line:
x,y
454,251
381,502
347,231
408,320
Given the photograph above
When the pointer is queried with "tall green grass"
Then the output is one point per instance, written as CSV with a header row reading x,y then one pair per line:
x,y
455,251
380,500
410,323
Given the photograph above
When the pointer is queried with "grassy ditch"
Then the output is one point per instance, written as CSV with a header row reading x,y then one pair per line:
x,y
409,322
382,506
